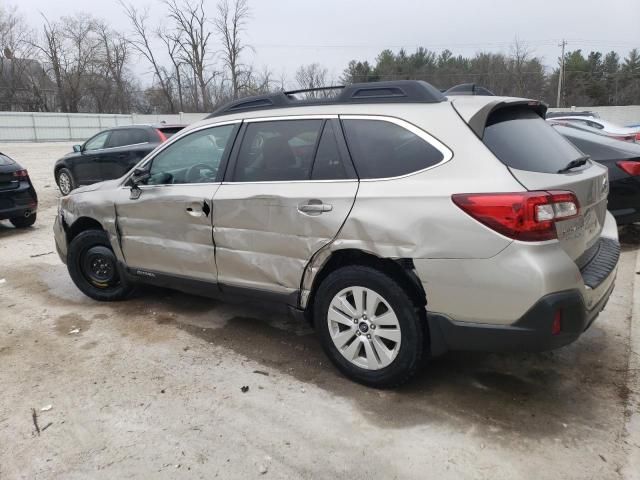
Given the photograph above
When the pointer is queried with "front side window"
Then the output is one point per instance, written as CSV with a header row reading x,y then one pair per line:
x,y
381,149
194,158
277,151
98,142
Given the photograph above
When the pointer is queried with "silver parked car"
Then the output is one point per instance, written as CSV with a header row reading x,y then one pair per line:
x,y
402,223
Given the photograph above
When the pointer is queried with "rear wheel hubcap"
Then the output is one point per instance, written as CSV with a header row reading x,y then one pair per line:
x,y
364,328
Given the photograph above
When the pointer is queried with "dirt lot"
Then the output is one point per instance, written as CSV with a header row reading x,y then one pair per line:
x,y
151,387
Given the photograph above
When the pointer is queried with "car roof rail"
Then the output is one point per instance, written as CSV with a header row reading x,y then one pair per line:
x,y
398,91
469,89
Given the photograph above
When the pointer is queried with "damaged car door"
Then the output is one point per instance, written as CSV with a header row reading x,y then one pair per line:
x,y
164,220
288,189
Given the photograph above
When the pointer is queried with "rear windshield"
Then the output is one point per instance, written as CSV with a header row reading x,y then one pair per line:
x,y
524,141
170,131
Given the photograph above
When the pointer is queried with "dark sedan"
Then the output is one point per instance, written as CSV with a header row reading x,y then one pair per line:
x,y
623,161
18,199
109,154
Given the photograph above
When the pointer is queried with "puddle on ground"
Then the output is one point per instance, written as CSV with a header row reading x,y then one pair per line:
x,y
69,322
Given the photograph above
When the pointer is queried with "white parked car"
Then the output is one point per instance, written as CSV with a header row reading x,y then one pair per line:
x,y
605,127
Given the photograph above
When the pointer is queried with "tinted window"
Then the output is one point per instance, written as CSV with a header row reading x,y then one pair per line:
x,y
522,140
194,158
138,135
169,132
277,151
97,142
127,136
328,163
383,149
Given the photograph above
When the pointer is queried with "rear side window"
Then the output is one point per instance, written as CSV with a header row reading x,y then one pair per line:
x,y
277,151
119,138
328,163
138,135
382,149
524,141
127,136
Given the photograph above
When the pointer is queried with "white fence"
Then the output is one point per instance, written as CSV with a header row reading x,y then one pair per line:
x,y
56,127
62,127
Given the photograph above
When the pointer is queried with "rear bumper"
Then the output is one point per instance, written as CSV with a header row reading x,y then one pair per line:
x,y
531,333
19,202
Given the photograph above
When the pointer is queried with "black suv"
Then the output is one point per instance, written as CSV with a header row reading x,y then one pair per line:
x,y
18,199
109,154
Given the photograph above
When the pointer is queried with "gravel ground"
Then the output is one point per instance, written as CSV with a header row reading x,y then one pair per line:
x,y
152,387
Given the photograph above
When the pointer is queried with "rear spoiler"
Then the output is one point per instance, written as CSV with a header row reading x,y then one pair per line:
x,y
478,120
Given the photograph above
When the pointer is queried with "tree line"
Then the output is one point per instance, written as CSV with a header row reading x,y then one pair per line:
x,y
197,61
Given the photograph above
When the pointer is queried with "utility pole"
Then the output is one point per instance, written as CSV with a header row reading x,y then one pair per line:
x,y
561,76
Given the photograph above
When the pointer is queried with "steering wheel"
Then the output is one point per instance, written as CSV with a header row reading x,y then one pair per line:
x,y
191,177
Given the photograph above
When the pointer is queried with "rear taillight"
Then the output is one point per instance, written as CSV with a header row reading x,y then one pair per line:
x,y
556,326
526,216
163,137
638,137
632,167
21,174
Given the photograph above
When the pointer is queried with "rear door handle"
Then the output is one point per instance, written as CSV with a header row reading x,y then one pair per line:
x,y
315,207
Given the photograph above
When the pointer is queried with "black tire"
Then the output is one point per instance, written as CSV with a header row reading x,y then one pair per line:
x,y
410,318
94,267
23,222
65,173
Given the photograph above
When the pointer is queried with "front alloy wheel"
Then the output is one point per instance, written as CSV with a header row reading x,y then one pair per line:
x,y
364,328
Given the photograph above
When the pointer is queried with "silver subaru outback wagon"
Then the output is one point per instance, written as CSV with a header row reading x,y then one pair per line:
x,y
401,222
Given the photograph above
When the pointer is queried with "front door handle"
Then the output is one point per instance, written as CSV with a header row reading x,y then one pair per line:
x,y
194,212
315,207
199,210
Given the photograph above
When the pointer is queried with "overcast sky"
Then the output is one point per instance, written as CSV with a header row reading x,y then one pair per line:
x,y
288,33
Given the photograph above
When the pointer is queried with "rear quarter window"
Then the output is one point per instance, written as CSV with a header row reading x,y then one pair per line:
x,y
381,149
520,139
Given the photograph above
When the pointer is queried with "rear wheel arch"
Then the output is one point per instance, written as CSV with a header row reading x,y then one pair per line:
x,y
400,270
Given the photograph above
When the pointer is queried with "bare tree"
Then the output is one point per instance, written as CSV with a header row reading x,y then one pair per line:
x,y
171,42
17,69
190,22
230,23
520,56
115,56
142,42
313,76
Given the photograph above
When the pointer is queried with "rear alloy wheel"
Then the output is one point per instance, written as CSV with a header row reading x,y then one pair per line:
x,y
369,326
94,267
364,328
65,181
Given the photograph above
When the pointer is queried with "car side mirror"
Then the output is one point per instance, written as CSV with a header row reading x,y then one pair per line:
x,y
140,175
77,148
